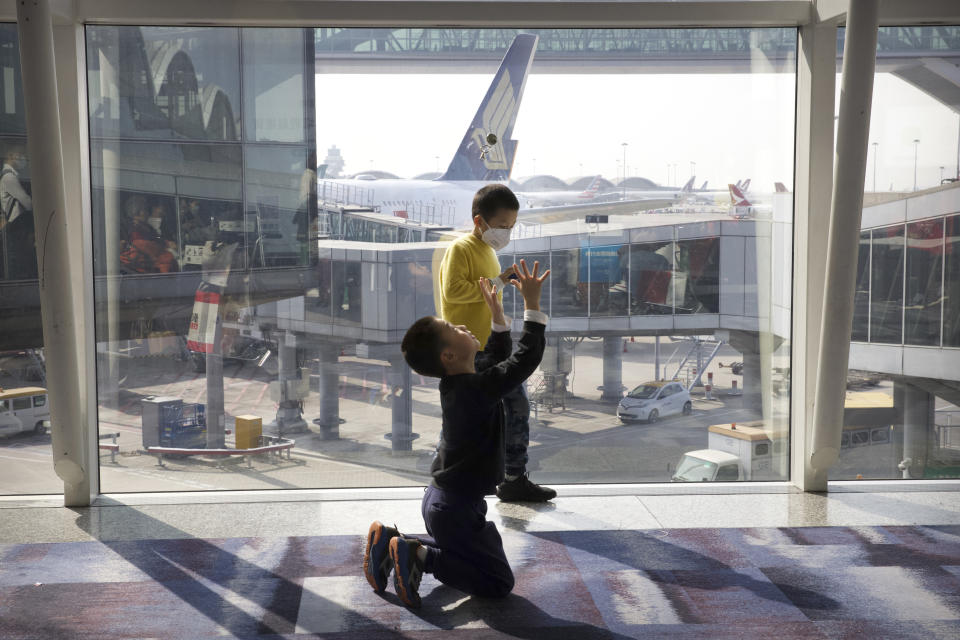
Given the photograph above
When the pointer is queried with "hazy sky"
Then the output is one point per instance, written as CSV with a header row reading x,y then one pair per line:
x,y
732,126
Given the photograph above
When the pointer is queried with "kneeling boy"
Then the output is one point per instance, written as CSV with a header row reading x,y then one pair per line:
x,y
462,548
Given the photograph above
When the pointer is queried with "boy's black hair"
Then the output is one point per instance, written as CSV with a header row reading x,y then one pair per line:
x,y
422,345
492,198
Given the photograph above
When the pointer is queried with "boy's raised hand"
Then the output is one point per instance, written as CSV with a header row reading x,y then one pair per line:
x,y
529,284
493,301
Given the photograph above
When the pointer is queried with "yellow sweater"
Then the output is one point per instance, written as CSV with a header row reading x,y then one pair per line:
x,y
466,261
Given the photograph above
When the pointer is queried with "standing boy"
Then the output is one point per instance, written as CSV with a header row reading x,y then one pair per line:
x,y
468,259
462,548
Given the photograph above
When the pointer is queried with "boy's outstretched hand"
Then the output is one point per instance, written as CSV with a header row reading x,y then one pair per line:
x,y
493,301
529,284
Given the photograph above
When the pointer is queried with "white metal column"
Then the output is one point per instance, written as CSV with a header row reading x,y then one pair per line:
x,y
59,235
816,73
853,131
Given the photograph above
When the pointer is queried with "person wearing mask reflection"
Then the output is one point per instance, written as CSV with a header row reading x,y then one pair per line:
x,y
16,217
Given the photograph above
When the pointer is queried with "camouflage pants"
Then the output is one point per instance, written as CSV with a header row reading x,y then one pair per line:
x,y
516,418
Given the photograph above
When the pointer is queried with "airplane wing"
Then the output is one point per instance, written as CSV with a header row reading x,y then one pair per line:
x,y
573,211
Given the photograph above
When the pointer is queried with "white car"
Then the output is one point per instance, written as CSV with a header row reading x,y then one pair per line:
x,y
652,400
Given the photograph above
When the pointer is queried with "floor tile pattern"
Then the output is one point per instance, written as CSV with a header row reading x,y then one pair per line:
x,y
798,582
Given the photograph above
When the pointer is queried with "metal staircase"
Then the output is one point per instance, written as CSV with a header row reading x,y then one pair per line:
x,y
701,351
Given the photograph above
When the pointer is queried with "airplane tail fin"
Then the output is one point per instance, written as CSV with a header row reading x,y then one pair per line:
x,y
687,188
745,186
736,196
592,189
780,187
703,187
497,114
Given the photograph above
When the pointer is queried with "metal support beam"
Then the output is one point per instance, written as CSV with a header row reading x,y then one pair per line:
x,y
816,71
853,130
63,336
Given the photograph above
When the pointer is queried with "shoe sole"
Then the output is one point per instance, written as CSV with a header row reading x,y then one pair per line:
x,y
374,535
398,582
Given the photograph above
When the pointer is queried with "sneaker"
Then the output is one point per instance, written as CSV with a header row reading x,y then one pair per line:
x,y
377,563
406,578
521,489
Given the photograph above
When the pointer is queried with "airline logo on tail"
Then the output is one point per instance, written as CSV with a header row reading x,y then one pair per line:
x,y
497,115
687,188
736,196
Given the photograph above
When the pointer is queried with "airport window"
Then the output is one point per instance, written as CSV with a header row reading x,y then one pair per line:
x,y
24,441
924,281
265,232
951,310
861,305
886,277
901,385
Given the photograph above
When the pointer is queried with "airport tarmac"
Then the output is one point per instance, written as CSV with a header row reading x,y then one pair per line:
x,y
583,443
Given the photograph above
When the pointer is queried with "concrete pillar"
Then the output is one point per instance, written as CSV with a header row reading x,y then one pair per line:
x,y
401,434
289,416
612,368
216,422
853,129
63,335
656,357
918,420
328,372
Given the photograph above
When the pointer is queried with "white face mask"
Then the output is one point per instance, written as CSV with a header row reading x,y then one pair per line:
x,y
497,238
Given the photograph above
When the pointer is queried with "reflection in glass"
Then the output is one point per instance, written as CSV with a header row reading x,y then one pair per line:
x,y
924,280
886,269
275,104
607,275
164,82
651,274
698,276
951,310
861,304
569,295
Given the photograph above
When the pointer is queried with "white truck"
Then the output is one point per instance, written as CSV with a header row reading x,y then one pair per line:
x,y
23,409
737,451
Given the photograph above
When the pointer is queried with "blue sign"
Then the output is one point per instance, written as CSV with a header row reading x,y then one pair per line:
x,y
604,264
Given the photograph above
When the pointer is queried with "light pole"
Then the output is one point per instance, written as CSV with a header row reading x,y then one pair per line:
x,y
875,145
667,183
624,183
916,144
693,168
941,174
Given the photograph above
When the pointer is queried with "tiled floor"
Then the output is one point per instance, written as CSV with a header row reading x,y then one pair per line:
x,y
788,565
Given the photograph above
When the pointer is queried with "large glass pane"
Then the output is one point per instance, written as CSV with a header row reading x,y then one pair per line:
x,y
276,106
651,278
886,278
164,82
24,410
924,282
951,294
283,279
902,417
861,303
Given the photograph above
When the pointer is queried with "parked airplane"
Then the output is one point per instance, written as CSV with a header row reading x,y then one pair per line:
x,y
741,207
485,155
481,158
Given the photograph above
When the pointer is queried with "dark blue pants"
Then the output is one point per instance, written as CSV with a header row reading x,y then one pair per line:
x,y
464,550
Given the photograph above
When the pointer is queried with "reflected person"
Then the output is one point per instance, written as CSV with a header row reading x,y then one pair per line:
x,y
16,216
